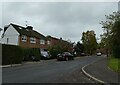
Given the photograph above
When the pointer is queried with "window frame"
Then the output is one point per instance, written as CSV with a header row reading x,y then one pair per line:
x,y
48,42
32,40
24,38
42,41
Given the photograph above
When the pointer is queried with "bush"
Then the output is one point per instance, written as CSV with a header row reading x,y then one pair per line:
x,y
11,54
54,50
116,51
31,54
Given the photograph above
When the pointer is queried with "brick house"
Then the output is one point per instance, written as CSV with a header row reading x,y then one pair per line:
x,y
23,36
52,41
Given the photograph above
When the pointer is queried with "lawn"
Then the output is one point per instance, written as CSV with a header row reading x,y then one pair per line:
x,y
114,64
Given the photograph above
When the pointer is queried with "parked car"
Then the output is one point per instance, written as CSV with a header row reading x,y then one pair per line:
x,y
65,56
45,55
83,54
98,54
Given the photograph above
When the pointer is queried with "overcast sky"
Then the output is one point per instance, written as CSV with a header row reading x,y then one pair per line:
x,y
59,19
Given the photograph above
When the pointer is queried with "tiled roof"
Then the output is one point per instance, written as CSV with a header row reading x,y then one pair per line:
x,y
27,32
50,37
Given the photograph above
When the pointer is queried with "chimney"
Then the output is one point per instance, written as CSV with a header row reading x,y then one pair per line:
x,y
29,27
60,38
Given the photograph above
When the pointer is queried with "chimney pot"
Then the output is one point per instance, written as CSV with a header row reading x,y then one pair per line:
x,y
29,27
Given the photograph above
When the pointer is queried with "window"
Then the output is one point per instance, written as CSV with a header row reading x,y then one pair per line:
x,y
7,40
24,38
32,40
48,42
42,41
20,28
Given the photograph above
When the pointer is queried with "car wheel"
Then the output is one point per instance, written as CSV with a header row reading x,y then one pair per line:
x,y
67,59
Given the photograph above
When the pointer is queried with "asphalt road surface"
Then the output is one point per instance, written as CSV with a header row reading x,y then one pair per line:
x,y
50,72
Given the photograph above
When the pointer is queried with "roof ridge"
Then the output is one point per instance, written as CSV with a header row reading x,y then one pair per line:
x,y
17,25
30,33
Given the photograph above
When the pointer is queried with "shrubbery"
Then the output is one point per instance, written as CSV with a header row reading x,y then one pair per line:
x,y
31,54
116,51
54,50
11,54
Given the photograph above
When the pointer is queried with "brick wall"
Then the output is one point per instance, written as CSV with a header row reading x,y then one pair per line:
x,y
54,42
27,44
62,43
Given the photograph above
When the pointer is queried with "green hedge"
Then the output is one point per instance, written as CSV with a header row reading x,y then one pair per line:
x,y
11,54
116,51
28,53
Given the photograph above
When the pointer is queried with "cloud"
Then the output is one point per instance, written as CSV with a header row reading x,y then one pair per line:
x,y
59,19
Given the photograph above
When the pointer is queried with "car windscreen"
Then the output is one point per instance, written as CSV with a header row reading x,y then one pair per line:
x,y
44,53
67,53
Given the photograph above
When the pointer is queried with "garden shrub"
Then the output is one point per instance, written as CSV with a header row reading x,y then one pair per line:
x,y
29,53
11,54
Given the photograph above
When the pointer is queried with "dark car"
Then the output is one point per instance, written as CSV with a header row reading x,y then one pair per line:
x,y
65,56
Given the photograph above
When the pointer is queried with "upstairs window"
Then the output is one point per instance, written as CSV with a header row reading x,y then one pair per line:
x,y
42,41
7,40
48,42
32,40
24,38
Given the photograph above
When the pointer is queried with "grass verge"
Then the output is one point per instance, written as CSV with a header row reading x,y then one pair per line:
x,y
114,64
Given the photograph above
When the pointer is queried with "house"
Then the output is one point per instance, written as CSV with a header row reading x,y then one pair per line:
x,y
25,37
52,41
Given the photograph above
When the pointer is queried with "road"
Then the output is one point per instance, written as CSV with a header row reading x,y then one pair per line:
x,y
49,72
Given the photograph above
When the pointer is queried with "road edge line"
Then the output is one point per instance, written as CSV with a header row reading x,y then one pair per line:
x,y
88,75
13,65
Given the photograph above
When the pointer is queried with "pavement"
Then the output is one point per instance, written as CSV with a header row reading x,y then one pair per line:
x,y
28,62
101,72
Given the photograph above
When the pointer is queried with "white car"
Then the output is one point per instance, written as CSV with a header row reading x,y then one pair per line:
x,y
99,54
45,55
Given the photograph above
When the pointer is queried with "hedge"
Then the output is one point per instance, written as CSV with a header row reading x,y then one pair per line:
x,y
11,54
29,53
116,51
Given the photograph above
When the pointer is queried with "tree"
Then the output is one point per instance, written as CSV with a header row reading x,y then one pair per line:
x,y
79,48
60,47
89,41
54,50
112,33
